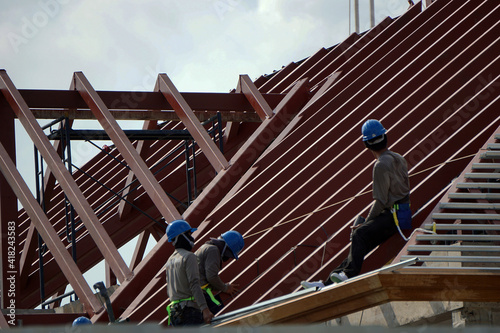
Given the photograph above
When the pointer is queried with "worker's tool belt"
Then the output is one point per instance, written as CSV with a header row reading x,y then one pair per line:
x,y
402,214
175,308
208,290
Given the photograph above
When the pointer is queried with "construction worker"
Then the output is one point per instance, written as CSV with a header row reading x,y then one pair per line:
x,y
391,188
187,303
211,255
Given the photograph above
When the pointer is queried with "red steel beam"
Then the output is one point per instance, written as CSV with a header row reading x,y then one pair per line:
x,y
142,148
255,98
298,119
49,235
140,301
123,207
3,322
31,240
294,100
382,111
185,113
66,181
299,72
143,100
162,115
109,276
247,154
140,249
129,153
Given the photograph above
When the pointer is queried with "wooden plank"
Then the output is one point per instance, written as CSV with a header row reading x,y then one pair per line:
x,y
420,284
320,306
409,284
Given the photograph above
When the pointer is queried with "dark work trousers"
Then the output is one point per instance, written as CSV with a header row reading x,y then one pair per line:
x,y
187,316
364,239
214,308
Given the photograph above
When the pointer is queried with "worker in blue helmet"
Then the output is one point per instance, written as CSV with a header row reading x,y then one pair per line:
x,y
211,255
81,321
391,199
187,304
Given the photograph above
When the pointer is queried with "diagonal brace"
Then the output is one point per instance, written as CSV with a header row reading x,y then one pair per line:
x,y
186,114
255,98
122,143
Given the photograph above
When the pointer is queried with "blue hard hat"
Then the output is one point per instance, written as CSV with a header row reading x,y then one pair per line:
x,y
81,321
371,129
176,228
234,241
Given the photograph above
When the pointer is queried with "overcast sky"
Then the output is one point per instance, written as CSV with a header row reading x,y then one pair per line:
x,y
202,45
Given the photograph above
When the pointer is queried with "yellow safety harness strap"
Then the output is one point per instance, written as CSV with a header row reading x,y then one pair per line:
x,y
175,302
395,214
210,294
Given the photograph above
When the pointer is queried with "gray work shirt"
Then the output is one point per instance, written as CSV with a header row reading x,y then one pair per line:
x,y
183,278
209,260
390,182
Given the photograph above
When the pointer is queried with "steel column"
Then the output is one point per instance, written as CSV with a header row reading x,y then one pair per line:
x,y
44,227
129,153
185,113
66,181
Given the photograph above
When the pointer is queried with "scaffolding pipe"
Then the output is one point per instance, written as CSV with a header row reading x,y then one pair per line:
x,y
372,13
356,16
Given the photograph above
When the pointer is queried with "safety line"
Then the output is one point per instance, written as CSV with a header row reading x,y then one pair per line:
x,y
353,197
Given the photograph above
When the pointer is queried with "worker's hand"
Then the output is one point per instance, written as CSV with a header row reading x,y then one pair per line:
x,y
231,288
207,316
354,227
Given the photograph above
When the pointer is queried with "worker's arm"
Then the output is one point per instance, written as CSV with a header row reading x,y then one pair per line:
x,y
381,184
212,267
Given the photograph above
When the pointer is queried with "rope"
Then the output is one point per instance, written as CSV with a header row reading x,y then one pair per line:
x,y
358,195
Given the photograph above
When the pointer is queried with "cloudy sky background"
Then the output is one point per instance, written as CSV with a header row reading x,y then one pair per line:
x,y
203,45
